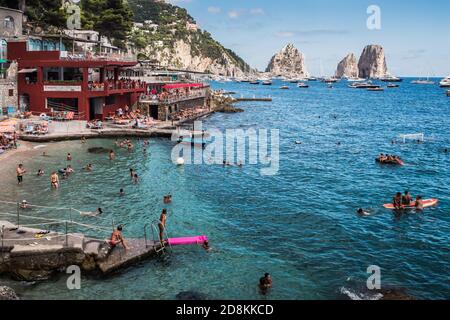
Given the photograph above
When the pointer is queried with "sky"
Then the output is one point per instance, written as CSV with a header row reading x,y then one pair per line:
x,y
415,34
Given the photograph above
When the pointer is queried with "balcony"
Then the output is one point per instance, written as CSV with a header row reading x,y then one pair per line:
x,y
173,97
91,56
121,86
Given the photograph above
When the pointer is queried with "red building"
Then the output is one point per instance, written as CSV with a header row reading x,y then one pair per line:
x,y
91,86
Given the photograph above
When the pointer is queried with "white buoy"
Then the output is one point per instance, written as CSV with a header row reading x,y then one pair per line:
x,y
180,161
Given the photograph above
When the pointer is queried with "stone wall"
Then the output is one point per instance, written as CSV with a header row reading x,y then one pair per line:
x,y
8,90
13,25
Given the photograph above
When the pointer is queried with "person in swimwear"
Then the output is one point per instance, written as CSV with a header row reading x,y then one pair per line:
x,y
83,139
20,171
117,238
54,179
206,246
121,193
130,147
168,199
24,204
419,203
162,224
40,173
136,178
112,155
265,283
406,199
89,167
131,173
69,157
69,170
397,201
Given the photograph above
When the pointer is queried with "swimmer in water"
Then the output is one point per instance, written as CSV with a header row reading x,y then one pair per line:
x,y
54,180
69,170
136,178
362,212
167,199
89,167
265,283
69,157
206,246
98,212
24,204
121,193
112,155
40,173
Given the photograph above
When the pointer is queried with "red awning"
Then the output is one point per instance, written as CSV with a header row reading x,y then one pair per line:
x,y
182,85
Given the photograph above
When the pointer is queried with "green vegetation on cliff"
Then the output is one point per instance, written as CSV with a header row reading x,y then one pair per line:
x,y
163,25
166,24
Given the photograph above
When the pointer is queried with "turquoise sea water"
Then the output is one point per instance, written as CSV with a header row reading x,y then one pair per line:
x,y
300,225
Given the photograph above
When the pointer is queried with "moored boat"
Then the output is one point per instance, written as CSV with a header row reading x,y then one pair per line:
x,y
284,87
302,85
390,78
445,83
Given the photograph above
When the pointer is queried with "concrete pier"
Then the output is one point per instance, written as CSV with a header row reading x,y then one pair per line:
x,y
30,254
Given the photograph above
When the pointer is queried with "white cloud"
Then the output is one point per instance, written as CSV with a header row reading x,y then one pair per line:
x,y
214,10
257,12
234,14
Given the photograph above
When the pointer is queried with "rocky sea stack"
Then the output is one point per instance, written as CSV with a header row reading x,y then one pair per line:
x,y
372,63
289,62
348,67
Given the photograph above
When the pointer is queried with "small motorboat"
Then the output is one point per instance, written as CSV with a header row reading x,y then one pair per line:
x,y
427,81
302,85
375,89
284,87
256,82
445,83
392,85
390,78
267,83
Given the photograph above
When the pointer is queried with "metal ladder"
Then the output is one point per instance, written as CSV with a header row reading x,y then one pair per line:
x,y
154,225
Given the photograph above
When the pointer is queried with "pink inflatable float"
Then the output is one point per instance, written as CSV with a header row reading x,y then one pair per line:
x,y
187,241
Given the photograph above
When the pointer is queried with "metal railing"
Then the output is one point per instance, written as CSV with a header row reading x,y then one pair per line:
x,y
68,224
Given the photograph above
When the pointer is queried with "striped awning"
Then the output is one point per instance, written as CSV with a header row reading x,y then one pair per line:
x,y
27,70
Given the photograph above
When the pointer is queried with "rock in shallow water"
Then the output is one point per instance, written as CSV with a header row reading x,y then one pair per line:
x,y
98,150
6,293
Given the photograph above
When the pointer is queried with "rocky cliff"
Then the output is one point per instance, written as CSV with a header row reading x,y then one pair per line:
x,y
289,62
372,63
167,33
348,67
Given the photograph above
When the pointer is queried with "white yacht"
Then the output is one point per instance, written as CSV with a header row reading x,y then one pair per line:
x,y
356,79
445,83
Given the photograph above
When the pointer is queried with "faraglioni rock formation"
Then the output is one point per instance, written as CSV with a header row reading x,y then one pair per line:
x,y
372,63
289,62
348,67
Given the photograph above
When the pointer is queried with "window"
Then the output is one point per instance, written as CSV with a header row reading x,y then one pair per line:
x,y
11,92
3,50
8,23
